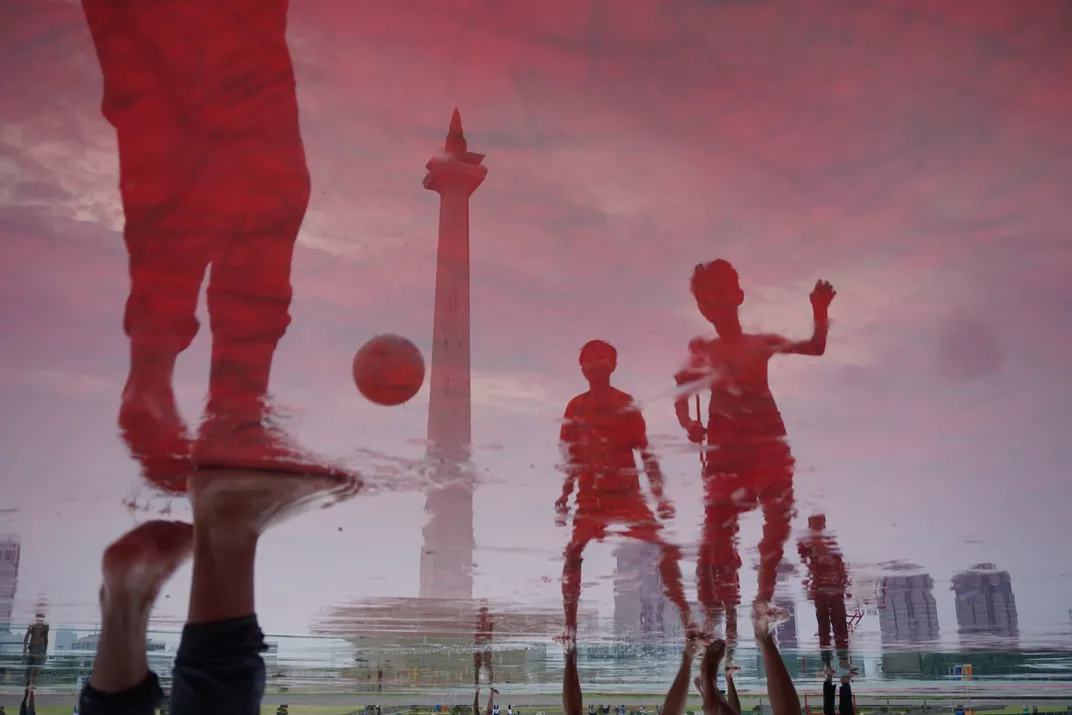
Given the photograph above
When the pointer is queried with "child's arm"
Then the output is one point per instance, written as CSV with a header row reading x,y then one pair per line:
x,y
821,298
694,372
567,442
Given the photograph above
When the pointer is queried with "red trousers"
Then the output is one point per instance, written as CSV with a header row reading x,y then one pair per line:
x,y
212,167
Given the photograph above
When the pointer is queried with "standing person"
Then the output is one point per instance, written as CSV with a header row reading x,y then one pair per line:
x,y
482,646
218,667
828,582
601,431
845,706
748,463
492,708
28,705
35,648
212,173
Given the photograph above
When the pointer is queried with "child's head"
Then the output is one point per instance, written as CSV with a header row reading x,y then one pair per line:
x,y
717,289
598,360
817,522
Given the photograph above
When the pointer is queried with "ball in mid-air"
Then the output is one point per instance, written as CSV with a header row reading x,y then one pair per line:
x,y
388,370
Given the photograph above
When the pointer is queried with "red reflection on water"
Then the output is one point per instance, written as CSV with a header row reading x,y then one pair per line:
x,y
828,582
602,429
747,462
212,173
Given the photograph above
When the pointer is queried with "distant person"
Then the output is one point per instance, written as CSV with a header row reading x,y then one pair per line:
x,y
482,639
28,706
747,461
602,429
492,708
218,668
846,706
212,174
828,582
676,697
35,648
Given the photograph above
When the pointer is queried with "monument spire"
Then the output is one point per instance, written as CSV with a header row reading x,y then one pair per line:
x,y
447,554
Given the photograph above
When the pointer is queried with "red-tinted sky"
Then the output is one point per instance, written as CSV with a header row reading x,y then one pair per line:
x,y
916,154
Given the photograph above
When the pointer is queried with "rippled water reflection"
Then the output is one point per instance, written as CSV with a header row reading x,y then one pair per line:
x,y
638,379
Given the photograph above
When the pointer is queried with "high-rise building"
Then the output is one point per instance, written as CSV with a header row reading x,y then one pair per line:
x,y
985,603
447,553
909,613
10,550
642,612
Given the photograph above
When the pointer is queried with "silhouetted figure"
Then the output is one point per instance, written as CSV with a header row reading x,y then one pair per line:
x,y
28,705
212,173
845,704
601,430
218,667
482,646
747,462
493,709
780,689
828,582
35,648
676,697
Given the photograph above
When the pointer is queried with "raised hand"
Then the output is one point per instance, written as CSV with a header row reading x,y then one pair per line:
x,y
822,295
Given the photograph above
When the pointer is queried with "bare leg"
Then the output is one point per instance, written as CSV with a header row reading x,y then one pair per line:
x,y
571,580
707,682
780,689
731,690
846,706
476,703
670,571
134,569
678,694
232,508
571,685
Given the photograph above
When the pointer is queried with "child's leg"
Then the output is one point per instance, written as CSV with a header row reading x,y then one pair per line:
x,y
571,684
678,694
218,668
134,569
845,704
780,689
828,695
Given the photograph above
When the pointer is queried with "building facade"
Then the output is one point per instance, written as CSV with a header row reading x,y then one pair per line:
x,y
910,613
985,603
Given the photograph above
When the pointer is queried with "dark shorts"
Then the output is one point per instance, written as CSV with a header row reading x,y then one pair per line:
x,y
218,669
35,660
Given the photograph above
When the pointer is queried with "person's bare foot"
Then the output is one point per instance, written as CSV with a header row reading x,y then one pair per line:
x,y
137,565
240,503
568,640
765,617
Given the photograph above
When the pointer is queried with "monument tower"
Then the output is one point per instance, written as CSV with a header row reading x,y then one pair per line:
x,y
447,553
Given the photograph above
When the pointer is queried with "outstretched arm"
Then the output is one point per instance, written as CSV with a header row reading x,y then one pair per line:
x,y
821,298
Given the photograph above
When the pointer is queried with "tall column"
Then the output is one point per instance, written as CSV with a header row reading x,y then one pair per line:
x,y
447,554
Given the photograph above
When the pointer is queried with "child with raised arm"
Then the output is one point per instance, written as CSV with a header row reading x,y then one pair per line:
x,y
748,463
